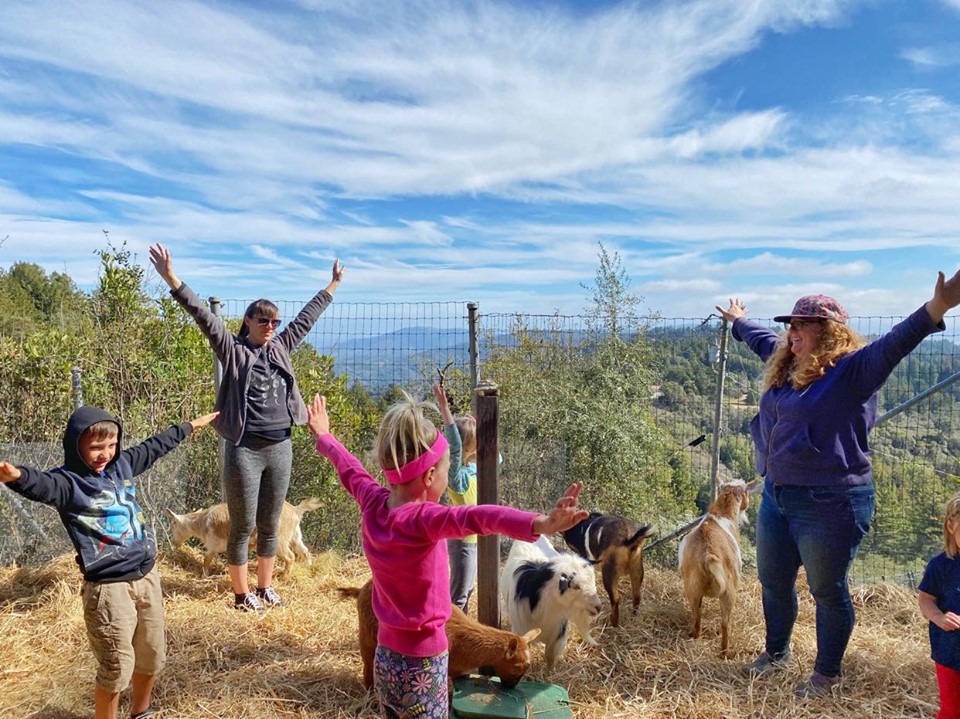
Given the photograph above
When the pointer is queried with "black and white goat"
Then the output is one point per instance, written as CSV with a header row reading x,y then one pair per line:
x,y
546,590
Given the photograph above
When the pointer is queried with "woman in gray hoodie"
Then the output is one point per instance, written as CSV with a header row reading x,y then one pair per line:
x,y
258,403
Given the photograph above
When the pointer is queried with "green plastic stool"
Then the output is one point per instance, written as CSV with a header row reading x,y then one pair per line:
x,y
486,698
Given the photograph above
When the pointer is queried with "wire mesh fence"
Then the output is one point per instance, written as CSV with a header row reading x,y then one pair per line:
x,y
662,417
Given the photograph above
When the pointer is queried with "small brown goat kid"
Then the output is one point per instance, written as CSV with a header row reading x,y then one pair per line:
x,y
710,561
472,644
212,527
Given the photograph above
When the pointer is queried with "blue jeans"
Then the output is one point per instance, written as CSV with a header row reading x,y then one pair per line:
x,y
819,528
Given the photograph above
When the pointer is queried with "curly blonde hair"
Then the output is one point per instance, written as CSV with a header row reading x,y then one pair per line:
x,y
836,340
405,433
951,516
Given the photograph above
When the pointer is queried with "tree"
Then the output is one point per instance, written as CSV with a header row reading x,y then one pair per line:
x,y
576,406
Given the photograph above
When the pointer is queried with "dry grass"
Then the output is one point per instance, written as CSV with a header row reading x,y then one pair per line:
x,y
301,660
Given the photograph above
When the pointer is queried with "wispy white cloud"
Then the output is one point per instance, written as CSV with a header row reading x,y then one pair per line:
x,y
468,98
768,263
934,56
284,138
698,285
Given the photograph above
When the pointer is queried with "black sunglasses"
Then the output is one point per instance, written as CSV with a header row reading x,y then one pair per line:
x,y
268,322
800,324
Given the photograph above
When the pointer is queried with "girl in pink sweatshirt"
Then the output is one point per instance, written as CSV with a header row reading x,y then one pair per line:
x,y
404,531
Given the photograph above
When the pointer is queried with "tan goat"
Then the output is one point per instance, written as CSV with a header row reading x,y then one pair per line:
x,y
212,527
472,644
710,561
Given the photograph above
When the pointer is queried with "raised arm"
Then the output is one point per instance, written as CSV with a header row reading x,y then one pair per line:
x,y
337,276
452,434
761,340
212,326
440,393
353,475
564,515
735,311
946,296
46,487
297,329
162,262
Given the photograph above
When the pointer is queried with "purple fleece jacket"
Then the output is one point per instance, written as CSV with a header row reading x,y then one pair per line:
x,y
817,436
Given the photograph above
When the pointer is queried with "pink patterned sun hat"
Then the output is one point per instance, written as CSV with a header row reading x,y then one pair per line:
x,y
816,307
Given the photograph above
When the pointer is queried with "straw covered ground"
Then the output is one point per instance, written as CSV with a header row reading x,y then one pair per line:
x,y
301,660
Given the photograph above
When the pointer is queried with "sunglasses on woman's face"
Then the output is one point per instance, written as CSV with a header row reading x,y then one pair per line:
x,y
800,324
268,322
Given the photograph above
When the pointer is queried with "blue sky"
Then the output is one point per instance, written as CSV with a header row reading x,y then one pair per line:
x,y
481,150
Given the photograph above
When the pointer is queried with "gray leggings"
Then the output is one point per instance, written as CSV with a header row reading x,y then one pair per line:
x,y
255,483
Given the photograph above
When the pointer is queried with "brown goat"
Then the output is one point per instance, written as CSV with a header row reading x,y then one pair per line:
x,y
472,644
710,561
616,544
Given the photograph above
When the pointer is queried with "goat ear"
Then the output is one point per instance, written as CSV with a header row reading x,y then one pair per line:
x,y
531,635
513,648
170,514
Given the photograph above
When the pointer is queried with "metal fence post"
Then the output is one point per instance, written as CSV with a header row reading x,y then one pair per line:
x,y
487,397
473,311
718,409
77,388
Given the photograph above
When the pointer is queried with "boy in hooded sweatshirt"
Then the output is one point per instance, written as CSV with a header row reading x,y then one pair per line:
x,y
96,500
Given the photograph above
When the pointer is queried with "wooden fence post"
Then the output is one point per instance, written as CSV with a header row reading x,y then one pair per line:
x,y
487,396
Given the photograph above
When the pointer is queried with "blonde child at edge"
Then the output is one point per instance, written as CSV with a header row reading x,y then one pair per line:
x,y
940,605
403,530
461,433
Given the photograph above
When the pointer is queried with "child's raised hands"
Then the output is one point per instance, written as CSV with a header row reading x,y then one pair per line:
x,y
317,419
564,515
8,473
440,393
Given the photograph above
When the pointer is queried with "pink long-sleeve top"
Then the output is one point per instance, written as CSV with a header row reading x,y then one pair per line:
x,y
406,554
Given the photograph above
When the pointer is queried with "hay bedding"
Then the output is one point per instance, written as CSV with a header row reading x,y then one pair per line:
x,y
301,660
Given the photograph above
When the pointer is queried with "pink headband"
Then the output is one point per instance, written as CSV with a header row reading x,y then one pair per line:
x,y
412,470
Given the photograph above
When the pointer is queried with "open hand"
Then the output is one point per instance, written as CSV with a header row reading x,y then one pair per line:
x,y
564,515
162,262
317,419
736,310
950,622
948,291
8,473
338,270
203,420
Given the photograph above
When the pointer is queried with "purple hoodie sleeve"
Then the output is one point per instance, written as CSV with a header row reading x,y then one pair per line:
x,y
761,340
868,368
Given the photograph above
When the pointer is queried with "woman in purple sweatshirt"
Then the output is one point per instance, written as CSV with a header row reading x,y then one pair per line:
x,y
818,406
